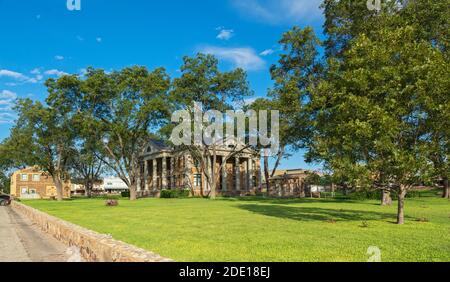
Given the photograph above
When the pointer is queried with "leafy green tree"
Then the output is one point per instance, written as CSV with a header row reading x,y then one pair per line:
x,y
86,167
296,71
42,136
114,114
203,82
347,23
369,108
4,163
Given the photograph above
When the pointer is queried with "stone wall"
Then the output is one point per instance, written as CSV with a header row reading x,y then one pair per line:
x,y
94,247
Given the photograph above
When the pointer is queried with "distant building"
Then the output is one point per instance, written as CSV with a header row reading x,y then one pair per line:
x,y
291,183
32,183
114,185
79,189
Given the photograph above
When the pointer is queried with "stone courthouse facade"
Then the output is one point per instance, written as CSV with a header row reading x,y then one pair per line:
x,y
163,167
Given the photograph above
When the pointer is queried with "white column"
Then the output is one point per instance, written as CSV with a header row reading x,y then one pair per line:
x,y
154,176
146,175
138,179
250,173
224,176
237,172
164,173
258,175
172,173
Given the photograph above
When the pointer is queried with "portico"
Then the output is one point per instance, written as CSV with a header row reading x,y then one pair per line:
x,y
165,168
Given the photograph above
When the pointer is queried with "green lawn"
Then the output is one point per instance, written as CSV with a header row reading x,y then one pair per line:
x,y
267,229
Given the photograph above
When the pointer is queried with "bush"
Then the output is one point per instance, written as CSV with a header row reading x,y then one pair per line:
x,y
111,203
376,195
125,194
171,194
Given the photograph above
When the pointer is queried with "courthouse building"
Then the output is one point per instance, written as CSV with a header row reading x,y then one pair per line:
x,y
163,167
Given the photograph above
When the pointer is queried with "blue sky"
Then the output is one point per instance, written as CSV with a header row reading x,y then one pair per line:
x,y
42,39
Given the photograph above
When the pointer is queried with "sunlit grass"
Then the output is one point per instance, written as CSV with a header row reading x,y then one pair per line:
x,y
266,229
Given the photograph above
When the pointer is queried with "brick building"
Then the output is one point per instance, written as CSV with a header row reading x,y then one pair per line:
x,y
291,183
32,183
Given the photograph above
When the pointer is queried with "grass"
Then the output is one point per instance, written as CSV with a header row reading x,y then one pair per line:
x,y
255,229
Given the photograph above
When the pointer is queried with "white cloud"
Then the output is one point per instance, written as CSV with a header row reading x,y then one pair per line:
x,y
7,99
59,57
55,72
245,58
225,34
266,52
7,95
99,39
281,11
35,71
13,74
82,72
6,118
21,77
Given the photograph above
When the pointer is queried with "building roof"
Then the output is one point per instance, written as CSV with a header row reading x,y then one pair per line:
x,y
293,173
159,144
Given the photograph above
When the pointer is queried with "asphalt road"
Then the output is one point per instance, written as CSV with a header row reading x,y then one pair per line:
x,y
21,241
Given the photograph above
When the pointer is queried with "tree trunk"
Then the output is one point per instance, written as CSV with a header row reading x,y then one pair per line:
x,y
266,174
302,190
133,192
345,189
213,191
59,188
401,205
386,199
88,186
446,193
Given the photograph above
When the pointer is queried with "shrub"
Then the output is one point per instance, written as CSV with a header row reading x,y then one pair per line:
x,y
111,203
171,194
364,224
376,195
422,219
125,194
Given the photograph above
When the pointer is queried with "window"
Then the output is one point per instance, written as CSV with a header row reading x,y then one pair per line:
x,y
197,180
32,191
24,177
36,177
23,191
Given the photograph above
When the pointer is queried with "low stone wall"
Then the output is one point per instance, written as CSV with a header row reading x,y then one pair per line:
x,y
94,247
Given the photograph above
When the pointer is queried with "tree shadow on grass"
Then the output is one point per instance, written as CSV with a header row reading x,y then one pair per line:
x,y
315,214
288,201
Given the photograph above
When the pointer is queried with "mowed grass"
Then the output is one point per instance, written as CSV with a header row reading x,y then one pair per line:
x,y
268,229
